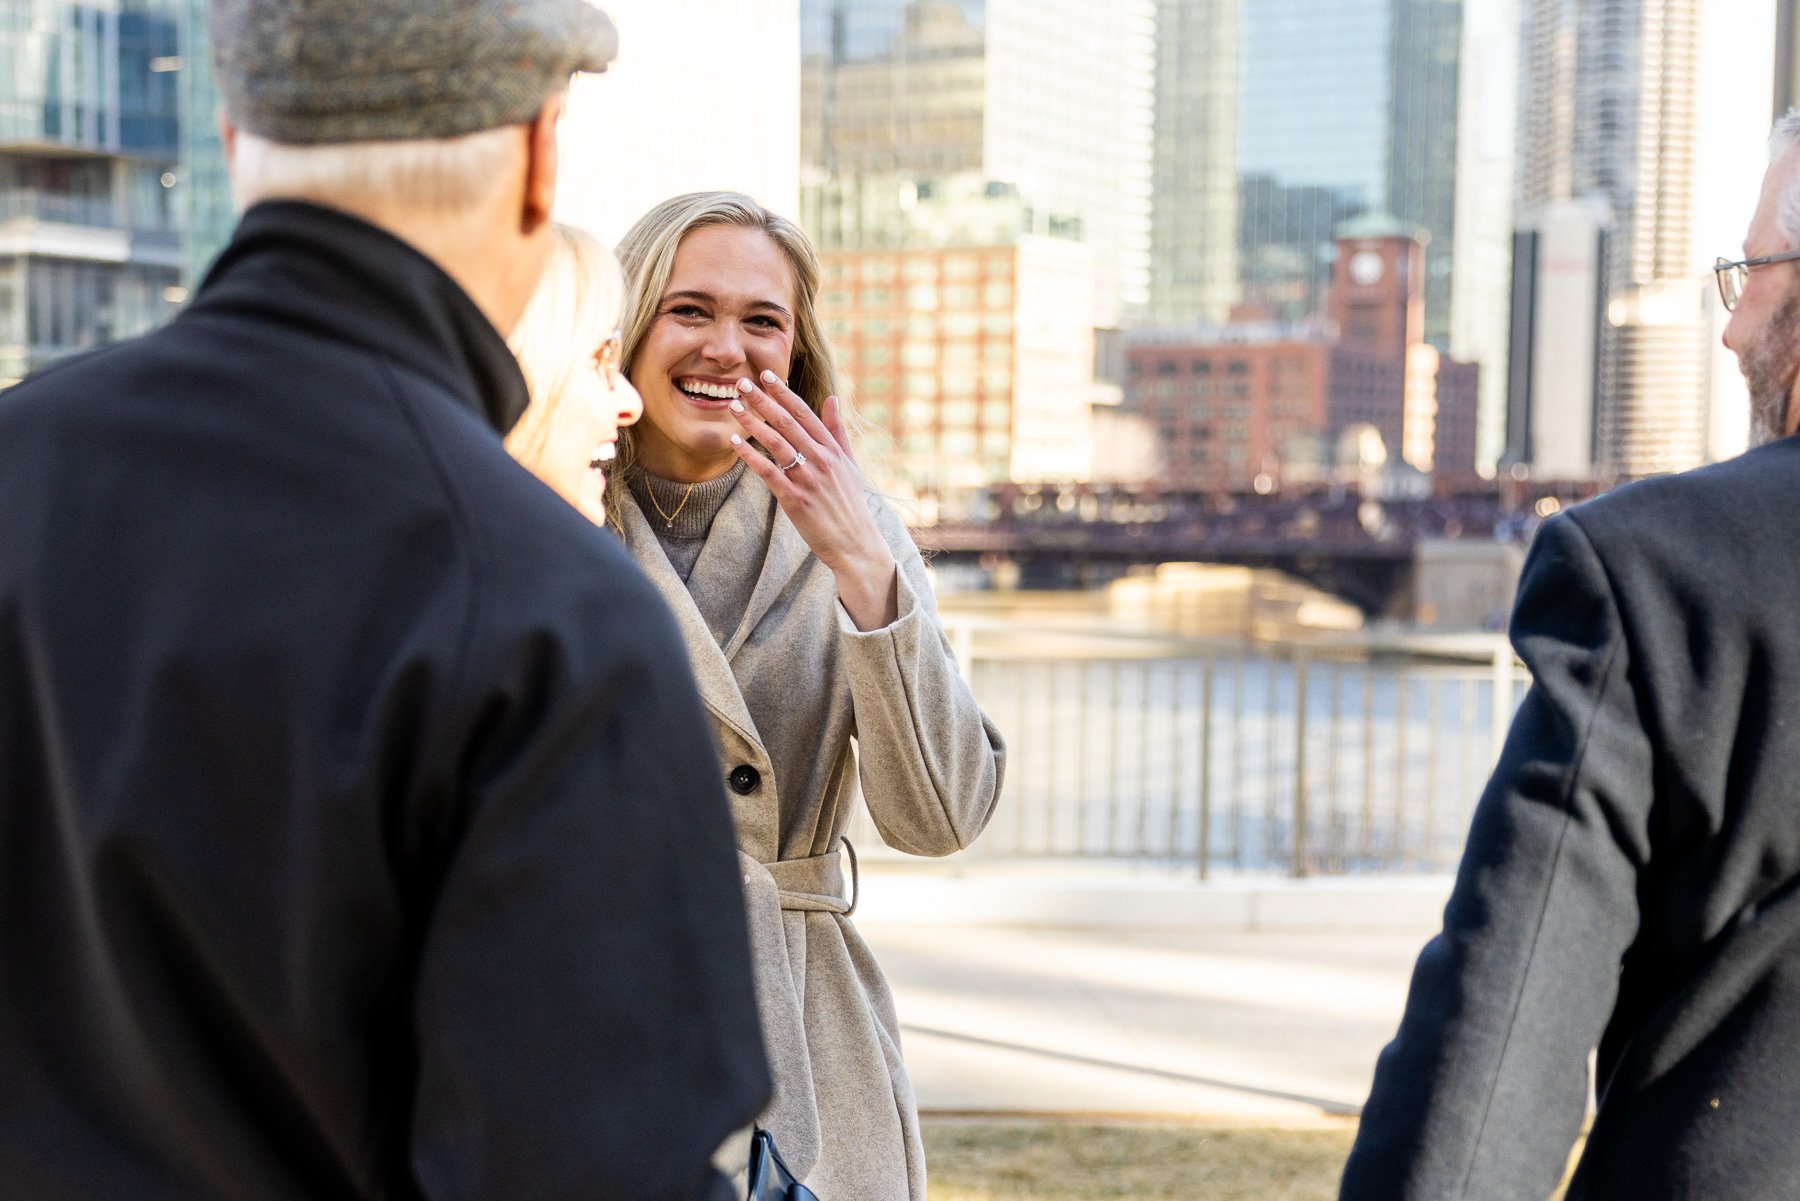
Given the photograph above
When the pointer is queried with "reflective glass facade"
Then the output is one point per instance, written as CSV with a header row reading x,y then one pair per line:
x,y
95,128
1348,108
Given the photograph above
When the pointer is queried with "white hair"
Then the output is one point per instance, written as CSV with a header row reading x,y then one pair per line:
x,y
1784,139
440,175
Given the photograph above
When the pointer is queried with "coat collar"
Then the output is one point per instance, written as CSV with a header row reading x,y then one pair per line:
x,y
740,524
320,269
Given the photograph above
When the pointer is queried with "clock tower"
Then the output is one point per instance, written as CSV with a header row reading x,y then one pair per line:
x,y
1378,286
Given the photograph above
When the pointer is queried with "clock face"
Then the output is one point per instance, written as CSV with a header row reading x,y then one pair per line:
x,y
1365,267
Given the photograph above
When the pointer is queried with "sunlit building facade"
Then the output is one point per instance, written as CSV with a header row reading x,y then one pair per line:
x,y
1051,97
964,332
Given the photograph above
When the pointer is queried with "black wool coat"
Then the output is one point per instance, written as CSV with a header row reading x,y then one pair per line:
x,y
360,830
1632,878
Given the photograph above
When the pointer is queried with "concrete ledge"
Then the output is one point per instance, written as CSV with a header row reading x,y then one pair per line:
x,y
1084,896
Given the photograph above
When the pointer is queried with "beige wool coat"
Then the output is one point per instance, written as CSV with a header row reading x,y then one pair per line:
x,y
792,682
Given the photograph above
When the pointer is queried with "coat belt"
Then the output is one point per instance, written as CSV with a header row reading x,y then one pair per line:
x,y
816,884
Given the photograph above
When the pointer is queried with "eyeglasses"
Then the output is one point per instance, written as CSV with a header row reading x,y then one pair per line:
x,y
609,357
1733,276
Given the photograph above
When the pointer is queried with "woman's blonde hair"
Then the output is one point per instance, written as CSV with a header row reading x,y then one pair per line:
x,y
574,309
647,253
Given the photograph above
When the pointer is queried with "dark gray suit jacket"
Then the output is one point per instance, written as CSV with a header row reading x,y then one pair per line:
x,y
1631,877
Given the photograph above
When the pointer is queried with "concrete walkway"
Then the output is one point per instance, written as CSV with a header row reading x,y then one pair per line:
x,y
1119,993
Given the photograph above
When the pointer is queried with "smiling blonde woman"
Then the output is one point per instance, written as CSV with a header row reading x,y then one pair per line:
x,y
812,631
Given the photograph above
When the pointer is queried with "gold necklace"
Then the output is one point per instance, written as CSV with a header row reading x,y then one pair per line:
x,y
669,518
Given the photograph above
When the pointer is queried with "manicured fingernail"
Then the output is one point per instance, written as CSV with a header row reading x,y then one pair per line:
x,y
745,385
737,406
736,441
769,377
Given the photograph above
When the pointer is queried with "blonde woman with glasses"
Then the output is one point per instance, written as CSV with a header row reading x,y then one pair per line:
x,y
812,631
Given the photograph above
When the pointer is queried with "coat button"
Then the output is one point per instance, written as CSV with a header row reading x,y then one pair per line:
x,y
744,779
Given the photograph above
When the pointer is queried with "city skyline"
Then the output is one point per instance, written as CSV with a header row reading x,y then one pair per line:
x,y
1199,152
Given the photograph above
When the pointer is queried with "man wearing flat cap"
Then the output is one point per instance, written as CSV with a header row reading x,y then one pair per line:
x,y
360,833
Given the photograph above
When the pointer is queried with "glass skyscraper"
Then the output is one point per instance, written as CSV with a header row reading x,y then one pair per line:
x,y
1348,108
95,140
1194,206
1609,112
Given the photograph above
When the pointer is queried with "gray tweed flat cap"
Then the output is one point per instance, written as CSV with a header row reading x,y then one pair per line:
x,y
311,71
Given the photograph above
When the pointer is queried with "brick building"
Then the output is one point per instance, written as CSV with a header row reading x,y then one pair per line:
x,y
1234,403
976,360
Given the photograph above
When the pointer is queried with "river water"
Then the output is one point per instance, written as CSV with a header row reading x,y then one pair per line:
x,y
1152,722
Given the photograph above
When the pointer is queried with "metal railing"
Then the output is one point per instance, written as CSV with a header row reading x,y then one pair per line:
x,y
1296,758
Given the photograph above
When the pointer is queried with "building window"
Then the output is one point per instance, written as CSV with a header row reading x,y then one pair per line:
x,y
959,414
919,354
918,413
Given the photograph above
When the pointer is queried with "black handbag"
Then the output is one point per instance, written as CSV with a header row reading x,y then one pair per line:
x,y
770,1179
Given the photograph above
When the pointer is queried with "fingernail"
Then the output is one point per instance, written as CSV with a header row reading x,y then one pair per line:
x,y
745,385
737,406
736,441
769,377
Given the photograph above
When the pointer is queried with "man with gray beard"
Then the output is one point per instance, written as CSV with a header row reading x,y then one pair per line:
x,y
1632,878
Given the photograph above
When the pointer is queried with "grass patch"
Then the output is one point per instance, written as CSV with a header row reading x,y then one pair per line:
x,y
1056,1161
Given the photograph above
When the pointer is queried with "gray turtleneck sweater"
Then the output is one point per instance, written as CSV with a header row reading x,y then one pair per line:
x,y
683,537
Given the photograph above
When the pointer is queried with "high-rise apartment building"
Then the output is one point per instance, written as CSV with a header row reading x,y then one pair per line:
x,y
1194,205
113,194
655,124
1608,112
1050,97
90,143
